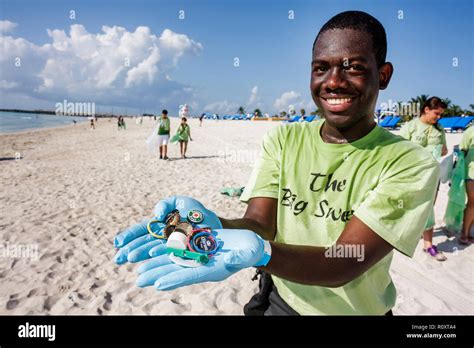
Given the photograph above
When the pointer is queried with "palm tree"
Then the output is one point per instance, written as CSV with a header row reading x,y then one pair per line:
x,y
471,111
303,112
283,114
241,110
257,112
421,99
453,110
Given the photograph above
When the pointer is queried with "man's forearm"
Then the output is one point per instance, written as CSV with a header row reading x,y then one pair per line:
x,y
311,265
248,224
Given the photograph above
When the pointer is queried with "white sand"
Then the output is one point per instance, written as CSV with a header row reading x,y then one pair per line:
x,y
74,188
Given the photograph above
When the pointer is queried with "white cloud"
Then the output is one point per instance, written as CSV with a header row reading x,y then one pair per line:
x,y
225,107
112,66
7,26
7,84
145,71
222,107
293,98
286,99
178,44
254,98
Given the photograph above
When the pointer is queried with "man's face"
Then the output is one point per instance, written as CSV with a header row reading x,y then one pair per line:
x,y
344,76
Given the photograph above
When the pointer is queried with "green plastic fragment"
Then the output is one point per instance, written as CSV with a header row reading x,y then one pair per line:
x,y
201,258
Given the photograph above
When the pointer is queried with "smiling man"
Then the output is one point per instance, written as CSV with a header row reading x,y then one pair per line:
x,y
328,201
342,181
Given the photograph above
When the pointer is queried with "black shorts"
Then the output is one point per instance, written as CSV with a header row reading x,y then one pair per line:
x,y
268,302
279,307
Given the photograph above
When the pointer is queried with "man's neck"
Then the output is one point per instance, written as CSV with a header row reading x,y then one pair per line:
x,y
334,135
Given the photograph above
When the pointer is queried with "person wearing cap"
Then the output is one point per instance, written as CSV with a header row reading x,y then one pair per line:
x,y
328,203
164,134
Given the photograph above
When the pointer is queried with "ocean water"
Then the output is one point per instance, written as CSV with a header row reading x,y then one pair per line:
x,y
11,122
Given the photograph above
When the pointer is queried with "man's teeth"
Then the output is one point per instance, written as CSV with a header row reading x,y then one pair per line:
x,y
337,101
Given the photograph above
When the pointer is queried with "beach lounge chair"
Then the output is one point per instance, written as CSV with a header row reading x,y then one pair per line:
x,y
393,122
462,123
310,118
294,119
385,121
448,122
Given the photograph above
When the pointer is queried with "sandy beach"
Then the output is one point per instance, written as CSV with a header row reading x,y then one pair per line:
x,y
74,188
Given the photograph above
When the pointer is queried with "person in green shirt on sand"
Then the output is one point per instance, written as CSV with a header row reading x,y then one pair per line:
x,y
426,132
184,133
467,145
164,134
328,202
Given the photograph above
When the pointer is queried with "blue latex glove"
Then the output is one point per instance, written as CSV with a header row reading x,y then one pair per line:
x,y
136,244
240,249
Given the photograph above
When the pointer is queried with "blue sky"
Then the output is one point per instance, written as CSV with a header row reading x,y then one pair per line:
x,y
274,52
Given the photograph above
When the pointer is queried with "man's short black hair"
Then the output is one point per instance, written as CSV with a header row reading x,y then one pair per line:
x,y
362,21
165,112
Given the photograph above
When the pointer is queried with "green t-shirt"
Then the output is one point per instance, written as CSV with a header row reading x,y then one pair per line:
x,y
184,132
426,135
386,181
164,128
467,144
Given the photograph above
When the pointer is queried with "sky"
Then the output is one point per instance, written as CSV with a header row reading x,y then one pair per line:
x,y
143,56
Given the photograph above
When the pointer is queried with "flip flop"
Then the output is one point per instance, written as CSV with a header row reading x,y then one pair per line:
x,y
434,253
465,241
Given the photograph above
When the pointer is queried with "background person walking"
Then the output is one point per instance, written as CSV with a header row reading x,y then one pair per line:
x,y
426,132
164,134
184,133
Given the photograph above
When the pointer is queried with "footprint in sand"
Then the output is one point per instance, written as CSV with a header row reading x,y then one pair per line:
x,y
32,292
108,301
152,306
97,284
68,254
12,303
48,255
64,288
50,302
